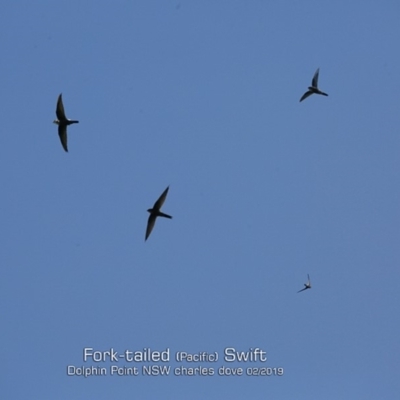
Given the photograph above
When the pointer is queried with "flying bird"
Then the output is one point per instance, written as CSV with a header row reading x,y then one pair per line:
x,y
62,121
313,88
155,212
306,285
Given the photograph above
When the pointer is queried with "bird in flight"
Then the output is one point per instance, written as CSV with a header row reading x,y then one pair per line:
x,y
313,88
62,121
306,285
155,212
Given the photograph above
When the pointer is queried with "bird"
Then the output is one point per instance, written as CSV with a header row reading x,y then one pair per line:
x,y
155,212
62,121
306,285
313,88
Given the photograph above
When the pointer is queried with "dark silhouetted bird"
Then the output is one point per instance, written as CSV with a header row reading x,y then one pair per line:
x,y
62,122
155,212
313,88
306,285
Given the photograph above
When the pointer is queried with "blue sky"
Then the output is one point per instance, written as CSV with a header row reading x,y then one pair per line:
x,y
204,97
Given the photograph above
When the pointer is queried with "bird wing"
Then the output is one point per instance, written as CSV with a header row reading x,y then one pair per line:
x,y
62,132
150,225
158,204
305,95
60,109
314,81
301,290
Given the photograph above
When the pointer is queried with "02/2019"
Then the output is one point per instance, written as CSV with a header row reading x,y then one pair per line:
x,y
264,371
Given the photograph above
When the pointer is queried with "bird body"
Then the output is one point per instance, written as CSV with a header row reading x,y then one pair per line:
x,y
314,87
155,212
62,121
306,285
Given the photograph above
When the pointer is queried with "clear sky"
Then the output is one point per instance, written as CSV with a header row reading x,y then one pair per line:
x,y
202,96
